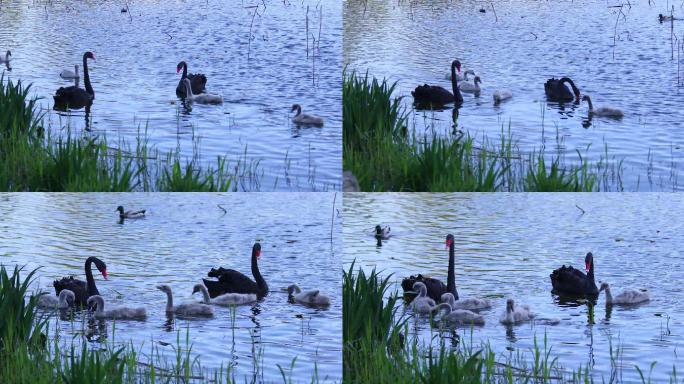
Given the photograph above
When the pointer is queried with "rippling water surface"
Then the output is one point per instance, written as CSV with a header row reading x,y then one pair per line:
x,y
258,63
182,237
508,244
620,56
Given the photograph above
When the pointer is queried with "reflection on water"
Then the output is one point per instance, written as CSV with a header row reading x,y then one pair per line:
x,y
179,240
508,244
134,76
622,57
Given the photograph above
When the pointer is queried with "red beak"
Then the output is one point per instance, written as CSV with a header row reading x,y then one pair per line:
x,y
258,253
177,70
448,243
588,267
104,274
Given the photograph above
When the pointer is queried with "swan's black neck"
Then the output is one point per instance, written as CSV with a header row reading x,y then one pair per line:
x,y
90,282
299,110
185,70
590,274
575,90
261,283
454,86
591,105
379,239
451,274
86,77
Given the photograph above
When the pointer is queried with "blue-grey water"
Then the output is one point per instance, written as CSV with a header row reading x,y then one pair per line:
x,y
622,57
257,62
508,244
182,237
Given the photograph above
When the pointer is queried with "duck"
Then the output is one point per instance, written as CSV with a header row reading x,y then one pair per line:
x,y
422,303
68,75
516,314
626,297
436,96
185,309
556,90
570,281
232,281
82,289
119,313
502,95
604,111
382,233
66,299
6,59
469,87
469,304
226,299
436,288
312,297
459,316
198,81
202,98
305,119
130,214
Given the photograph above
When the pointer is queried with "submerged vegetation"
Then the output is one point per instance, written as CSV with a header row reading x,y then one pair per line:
x,y
33,159
28,355
378,349
385,155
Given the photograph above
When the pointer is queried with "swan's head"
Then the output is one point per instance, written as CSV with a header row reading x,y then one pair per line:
x,y
296,107
447,298
256,250
449,240
604,287
419,287
378,230
585,98
180,66
96,302
120,208
477,80
588,261
456,64
89,55
197,288
164,288
509,305
9,53
101,266
294,288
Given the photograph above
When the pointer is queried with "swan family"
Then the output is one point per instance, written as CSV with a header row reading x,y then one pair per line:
x,y
231,288
191,88
556,90
431,296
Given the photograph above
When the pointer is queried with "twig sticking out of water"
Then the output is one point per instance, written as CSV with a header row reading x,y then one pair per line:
x,y
494,10
251,25
307,31
223,209
617,19
332,220
580,208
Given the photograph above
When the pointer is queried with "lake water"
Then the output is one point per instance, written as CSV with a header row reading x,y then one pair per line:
x,y
182,237
508,244
518,45
258,64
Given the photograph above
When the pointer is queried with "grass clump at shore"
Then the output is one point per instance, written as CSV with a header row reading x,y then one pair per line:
x,y
385,155
32,159
378,348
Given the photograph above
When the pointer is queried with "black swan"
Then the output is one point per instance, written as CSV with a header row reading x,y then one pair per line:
x,y
571,281
232,281
556,90
383,233
197,81
436,288
82,289
74,97
436,95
